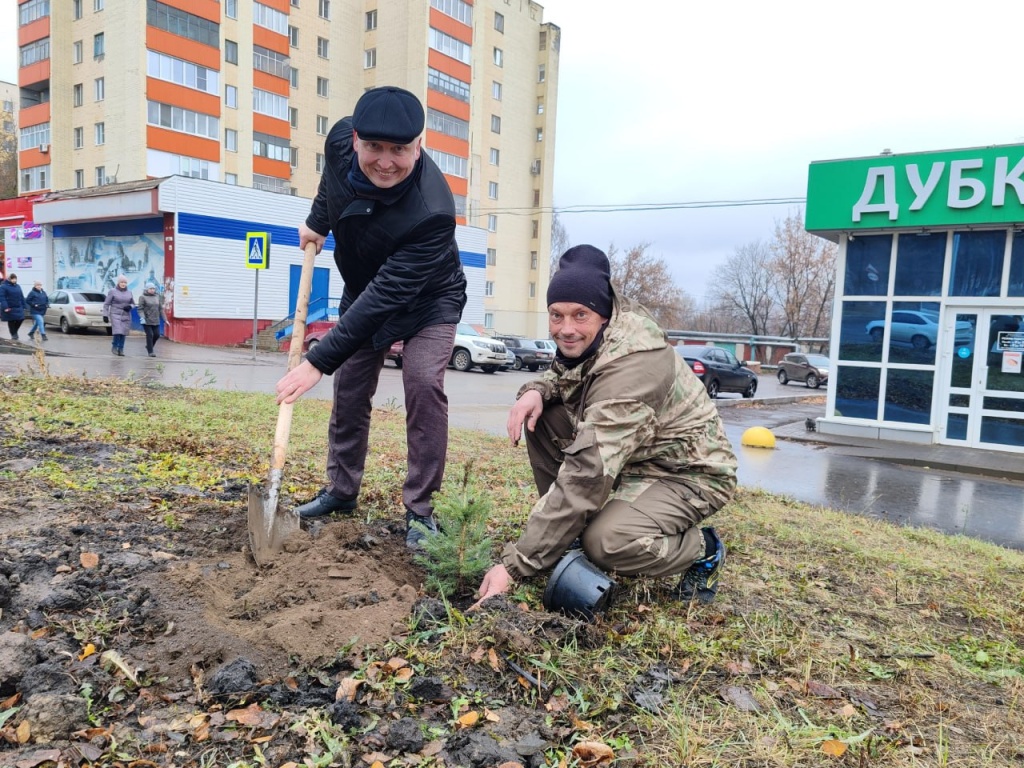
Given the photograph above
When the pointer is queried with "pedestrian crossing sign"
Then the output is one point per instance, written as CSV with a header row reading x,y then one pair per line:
x,y
257,250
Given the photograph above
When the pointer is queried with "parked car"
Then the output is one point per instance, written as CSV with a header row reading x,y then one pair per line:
x,y
811,369
918,328
77,311
473,349
719,370
313,338
527,353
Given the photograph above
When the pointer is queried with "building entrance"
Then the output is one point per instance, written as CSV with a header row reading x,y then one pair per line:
x,y
985,405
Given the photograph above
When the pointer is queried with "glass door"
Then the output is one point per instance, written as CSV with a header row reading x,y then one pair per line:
x,y
985,407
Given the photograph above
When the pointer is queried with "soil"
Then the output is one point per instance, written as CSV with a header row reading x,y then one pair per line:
x,y
135,628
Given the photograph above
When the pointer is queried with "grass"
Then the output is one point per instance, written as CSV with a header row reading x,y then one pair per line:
x,y
835,639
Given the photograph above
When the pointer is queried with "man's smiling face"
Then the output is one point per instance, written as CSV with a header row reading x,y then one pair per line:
x,y
386,164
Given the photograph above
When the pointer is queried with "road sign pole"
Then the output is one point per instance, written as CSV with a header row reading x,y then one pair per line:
x,y
255,312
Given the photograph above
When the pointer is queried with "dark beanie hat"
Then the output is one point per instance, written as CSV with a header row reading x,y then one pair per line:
x,y
583,277
388,114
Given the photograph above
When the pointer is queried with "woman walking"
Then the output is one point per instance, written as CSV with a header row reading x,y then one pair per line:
x,y
12,304
151,307
118,307
37,302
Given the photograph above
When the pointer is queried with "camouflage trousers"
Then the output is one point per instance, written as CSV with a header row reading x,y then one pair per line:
x,y
649,525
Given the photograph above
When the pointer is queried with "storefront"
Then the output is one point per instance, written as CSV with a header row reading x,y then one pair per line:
x,y
928,321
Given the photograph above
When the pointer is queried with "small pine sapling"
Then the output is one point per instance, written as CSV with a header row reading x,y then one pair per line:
x,y
458,555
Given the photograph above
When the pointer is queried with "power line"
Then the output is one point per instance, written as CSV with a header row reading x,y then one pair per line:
x,y
640,207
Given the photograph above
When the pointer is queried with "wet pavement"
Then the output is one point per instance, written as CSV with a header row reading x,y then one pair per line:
x,y
957,490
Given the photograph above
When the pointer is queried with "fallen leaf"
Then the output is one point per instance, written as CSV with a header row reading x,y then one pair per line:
x,y
793,684
641,608
375,758
848,711
377,764
113,657
89,559
404,675
579,725
396,663
833,747
478,655
822,691
254,716
431,748
468,720
740,698
593,753
347,689
557,703
511,764
23,732
38,758
492,659
88,651
10,702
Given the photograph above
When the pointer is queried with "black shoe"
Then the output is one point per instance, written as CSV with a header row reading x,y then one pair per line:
x,y
120,353
414,535
44,337
325,504
113,351
700,582
31,336
152,354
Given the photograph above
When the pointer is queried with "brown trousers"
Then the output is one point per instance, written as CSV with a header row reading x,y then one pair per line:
x,y
655,534
424,360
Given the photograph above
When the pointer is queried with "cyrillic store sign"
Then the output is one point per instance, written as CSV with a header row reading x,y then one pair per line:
x,y
932,189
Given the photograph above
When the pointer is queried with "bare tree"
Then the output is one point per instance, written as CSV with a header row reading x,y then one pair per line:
x,y
559,241
646,279
744,288
8,159
803,271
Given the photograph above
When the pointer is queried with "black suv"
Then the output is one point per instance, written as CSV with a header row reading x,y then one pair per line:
x,y
528,353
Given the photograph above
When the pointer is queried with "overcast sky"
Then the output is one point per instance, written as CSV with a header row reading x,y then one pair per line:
x,y
665,102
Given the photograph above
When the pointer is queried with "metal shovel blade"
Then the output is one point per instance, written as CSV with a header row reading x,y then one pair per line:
x,y
269,524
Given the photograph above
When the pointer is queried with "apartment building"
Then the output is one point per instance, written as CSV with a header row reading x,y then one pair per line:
x,y
244,93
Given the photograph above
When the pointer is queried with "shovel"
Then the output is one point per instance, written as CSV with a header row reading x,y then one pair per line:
x,y
269,525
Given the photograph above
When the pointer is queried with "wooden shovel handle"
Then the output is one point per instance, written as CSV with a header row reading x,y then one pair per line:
x,y
284,414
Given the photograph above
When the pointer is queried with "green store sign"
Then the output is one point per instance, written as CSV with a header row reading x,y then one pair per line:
x,y
934,189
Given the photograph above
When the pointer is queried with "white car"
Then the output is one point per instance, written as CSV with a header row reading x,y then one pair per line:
x,y
918,328
473,349
77,311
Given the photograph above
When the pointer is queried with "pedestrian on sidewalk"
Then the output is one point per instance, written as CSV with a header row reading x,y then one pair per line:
x,y
393,218
628,451
37,302
118,308
151,308
12,304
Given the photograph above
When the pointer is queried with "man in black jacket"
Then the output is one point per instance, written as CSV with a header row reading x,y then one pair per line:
x,y
393,219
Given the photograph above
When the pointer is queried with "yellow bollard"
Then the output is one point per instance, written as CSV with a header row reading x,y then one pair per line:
x,y
758,437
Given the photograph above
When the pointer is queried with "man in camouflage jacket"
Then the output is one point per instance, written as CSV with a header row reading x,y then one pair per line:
x,y
627,449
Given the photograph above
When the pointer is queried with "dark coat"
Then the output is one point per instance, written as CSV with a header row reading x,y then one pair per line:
x,y
37,301
399,261
12,301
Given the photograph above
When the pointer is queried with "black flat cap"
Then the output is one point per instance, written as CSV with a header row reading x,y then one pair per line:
x,y
388,114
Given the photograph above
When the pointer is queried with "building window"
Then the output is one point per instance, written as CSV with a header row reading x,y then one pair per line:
x,y
182,23
325,9
230,139
33,179
271,62
460,204
293,36
97,45
371,20
321,125
293,159
269,18
533,259
77,9
323,48
271,184
492,223
448,85
536,198
450,46
97,5
164,67
76,95
293,77
535,229
295,3
231,96
99,88
293,117
499,22
496,90
230,51
540,106
495,156
270,147
231,178
184,120
78,137
492,257
533,290
499,57
79,178
76,52
489,320
35,52
370,58
457,9
447,124
101,175
541,74
323,87
33,10
267,103
231,9
488,288
495,124
453,165
540,134
543,40
492,190
34,136
319,162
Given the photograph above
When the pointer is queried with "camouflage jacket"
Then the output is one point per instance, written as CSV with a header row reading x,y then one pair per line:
x,y
640,416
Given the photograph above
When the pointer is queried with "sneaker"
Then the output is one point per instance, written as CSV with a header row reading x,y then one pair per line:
x,y
325,503
44,337
700,582
31,336
414,535
152,354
